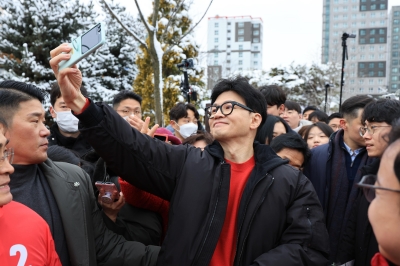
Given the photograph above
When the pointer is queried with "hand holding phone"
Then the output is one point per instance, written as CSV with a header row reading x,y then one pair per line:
x,y
107,191
84,45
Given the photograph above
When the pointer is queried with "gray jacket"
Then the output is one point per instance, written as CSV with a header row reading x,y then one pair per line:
x,y
89,241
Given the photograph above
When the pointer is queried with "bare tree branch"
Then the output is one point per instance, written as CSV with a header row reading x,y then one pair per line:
x,y
171,18
148,27
115,16
191,29
155,14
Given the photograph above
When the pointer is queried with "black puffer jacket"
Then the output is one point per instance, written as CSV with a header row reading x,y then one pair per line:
x,y
280,220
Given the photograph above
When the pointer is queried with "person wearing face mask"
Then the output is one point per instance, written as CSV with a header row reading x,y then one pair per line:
x,y
64,132
184,120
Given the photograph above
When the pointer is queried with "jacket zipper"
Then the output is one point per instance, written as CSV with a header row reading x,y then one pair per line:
x,y
85,224
211,221
310,224
252,218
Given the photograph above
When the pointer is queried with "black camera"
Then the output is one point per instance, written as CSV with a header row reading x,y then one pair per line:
x,y
186,63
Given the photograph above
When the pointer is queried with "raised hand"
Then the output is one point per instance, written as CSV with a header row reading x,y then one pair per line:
x,y
69,79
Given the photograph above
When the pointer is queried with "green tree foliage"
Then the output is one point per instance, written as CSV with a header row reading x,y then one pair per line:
x,y
173,23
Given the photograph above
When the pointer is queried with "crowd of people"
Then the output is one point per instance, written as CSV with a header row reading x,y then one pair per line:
x,y
269,184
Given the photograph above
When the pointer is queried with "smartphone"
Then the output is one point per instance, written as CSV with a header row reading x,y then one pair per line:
x,y
108,191
162,137
84,45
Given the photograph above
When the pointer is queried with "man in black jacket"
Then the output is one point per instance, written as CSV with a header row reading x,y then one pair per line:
x,y
60,193
334,168
359,242
235,203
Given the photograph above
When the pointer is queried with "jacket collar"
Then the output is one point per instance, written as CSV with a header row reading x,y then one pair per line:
x,y
263,155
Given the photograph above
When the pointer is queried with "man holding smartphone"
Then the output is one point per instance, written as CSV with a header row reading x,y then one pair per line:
x,y
235,203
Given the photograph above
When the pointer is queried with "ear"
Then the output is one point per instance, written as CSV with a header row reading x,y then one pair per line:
x,y
255,121
301,116
173,124
51,110
343,123
281,109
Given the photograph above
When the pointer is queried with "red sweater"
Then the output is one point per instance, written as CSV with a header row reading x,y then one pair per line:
x,y
25,238
224,253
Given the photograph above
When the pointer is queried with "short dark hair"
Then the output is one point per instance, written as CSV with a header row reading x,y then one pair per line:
x,y
293,106
321,116
123,95
180,110
382,110
266,131
333,116
55,93
310,107
200,135
273,94
12,93
252,97
327,130
291,140
350,107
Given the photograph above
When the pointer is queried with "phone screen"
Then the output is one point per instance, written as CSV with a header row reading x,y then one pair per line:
x,y
91,38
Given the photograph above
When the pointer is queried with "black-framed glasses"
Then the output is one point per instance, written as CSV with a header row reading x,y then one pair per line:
x,y
8,155
226,108
370,130
367,183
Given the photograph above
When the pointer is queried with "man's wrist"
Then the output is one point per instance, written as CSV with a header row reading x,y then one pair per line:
x,y
79,105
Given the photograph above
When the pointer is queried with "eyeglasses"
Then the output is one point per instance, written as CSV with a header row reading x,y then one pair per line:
x,y
367,183
8,155
226,108
370,130
127,112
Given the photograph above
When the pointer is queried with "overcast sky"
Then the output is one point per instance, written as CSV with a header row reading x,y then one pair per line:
x,y
292,28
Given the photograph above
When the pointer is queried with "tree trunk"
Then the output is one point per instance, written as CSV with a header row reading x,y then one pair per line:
x,y
158,81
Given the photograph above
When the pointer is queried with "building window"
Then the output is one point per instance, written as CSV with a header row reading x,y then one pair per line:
x,y
229,38
371,48
240,24
382,6
240,39
255,55
216,25
371,81
380,81
396,13
256,47
380,74
256,33
371,40
228,46
240,54
362,40
352,89
229,23
362,32
381,31
394,78
256,26
256,40
216,32
241,31
373,7
396,37
240,69
381,65
394,86
240,62
381,40
395,62
371,73
361,65
395,70
371,90
361,90
372,32
216,47
396,29
363,7
240,47
255,63
215,54
215,62
216,40
395,54
229,31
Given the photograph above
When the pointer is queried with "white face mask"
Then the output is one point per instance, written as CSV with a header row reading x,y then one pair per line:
x,y
186,130
66,121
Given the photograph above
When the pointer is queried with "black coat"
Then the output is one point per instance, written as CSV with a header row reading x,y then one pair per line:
x,y
359,242
280,219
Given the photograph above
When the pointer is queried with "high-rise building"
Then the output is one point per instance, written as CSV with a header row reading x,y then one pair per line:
x,y
394,55
234,43
366,67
